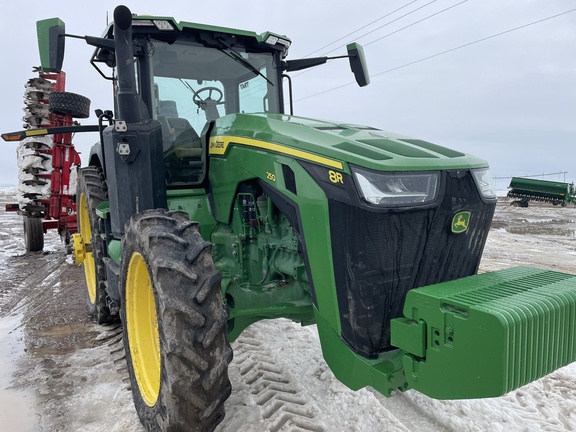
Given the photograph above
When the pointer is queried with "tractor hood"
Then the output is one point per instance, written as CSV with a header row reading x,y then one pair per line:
x,y
331,144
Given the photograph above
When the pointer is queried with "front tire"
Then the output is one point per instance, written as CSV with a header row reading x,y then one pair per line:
x,y
174,324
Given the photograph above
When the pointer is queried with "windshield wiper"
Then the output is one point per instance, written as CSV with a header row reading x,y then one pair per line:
x,y
235,55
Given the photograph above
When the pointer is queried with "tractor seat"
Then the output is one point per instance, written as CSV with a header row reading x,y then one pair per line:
x,y
178,135
183,157
167,108
187,143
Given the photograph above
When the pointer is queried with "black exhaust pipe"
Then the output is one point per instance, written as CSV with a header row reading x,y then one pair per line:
x,y
134,155
129,102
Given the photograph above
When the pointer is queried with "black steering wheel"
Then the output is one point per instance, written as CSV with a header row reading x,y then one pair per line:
x,y
202,101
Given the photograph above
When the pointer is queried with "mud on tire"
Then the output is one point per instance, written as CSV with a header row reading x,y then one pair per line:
x,y
92,186
64,103
193,349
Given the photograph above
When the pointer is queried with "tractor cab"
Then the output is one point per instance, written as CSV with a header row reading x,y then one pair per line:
x,y
189,75
173,81
185,76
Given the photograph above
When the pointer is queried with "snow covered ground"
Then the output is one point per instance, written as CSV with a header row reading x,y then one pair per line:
x,y
61,372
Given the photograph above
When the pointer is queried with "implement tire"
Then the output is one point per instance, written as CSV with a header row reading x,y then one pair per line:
x,y
174,324
91,192
33,234
64,103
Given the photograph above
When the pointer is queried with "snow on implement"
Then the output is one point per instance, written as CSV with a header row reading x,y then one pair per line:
x,y
206,208
47,164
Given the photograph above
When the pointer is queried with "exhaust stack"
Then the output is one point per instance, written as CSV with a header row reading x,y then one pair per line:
x,y
129,102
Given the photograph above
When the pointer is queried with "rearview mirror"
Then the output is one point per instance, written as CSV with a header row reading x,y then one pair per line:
x,y
358,64
51,43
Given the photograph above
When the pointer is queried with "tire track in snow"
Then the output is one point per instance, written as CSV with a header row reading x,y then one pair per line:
x,y
283,404
282,383
559,390
410,413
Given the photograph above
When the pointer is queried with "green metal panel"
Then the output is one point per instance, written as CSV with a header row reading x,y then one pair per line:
x,y
51,43
195,203
329,144
410,335
253,303
115,250
488,334
267,39
216,29
103,210
384,374
253,163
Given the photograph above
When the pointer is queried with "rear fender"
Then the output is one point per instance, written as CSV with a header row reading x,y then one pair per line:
x,y
95,158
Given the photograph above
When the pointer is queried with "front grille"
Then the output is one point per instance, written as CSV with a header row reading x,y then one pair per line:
x,y
380,256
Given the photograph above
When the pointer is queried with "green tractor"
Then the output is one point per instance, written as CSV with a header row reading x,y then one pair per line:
x,y
205,208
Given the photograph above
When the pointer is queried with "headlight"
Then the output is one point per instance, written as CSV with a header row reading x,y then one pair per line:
x,y
484,182
397,189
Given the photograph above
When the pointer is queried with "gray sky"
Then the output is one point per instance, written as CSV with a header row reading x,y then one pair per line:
x,y
510,100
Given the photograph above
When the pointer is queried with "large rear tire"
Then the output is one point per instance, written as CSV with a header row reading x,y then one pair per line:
x,y
91,192
174,324
33,234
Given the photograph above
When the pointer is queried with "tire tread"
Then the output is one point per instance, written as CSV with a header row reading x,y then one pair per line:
x,y
194,348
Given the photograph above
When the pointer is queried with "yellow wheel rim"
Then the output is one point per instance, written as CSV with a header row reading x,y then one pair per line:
x,y
142,325
89,264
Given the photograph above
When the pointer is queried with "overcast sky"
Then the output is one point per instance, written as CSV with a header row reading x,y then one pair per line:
x,y
510,99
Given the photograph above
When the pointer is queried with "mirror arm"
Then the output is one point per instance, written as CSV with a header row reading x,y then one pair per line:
x,y
98,42
300,64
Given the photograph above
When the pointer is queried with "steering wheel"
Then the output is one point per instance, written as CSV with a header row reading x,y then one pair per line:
x,y
202,101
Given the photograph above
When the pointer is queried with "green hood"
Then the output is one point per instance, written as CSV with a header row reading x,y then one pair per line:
x,y
341,143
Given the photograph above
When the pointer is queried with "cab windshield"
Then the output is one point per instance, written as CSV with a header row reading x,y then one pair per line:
x,y
194,85
202,84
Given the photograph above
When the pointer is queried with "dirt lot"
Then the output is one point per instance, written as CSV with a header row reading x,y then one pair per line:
x,y
62,372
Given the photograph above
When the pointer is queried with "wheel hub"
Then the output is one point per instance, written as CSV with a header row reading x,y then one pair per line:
x,y
79,248
86,248
142,326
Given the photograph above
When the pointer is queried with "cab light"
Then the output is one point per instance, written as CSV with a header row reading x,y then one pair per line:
x,y
271,40
163,25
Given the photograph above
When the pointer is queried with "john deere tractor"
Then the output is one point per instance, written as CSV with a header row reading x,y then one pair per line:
x,y
205,207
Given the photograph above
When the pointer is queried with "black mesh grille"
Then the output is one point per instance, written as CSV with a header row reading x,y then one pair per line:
x,y
379,257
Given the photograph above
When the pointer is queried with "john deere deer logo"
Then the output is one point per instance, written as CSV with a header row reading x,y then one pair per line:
x,y
460,222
